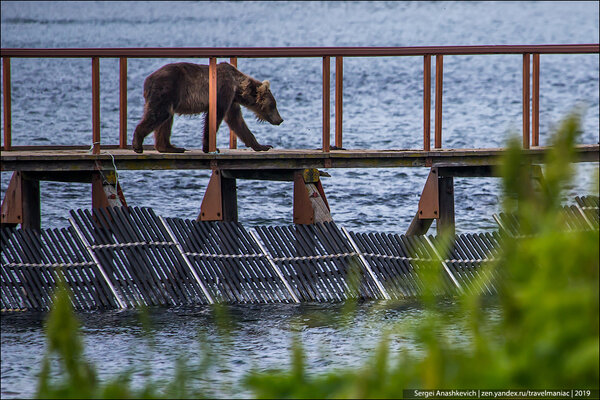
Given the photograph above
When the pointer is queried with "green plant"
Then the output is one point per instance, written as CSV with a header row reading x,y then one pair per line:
x,y
540,332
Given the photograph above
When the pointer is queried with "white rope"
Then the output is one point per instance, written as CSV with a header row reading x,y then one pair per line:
x,y
91,149
132,244
51,265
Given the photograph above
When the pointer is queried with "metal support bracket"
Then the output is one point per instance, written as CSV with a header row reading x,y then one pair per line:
x,y
310,202
21,203
220,199
436,202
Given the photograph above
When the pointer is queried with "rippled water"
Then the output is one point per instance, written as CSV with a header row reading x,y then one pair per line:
x,y
382,109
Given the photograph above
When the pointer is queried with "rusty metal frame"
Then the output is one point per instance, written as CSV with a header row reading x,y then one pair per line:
x,y
526,100
232,135
439,89
95,105
123,103
6,100
212,105
326,102
339,100
535,102
303,212
21,203
427,102
289,52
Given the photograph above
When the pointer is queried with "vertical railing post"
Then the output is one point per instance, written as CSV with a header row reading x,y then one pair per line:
x,y
326,76
427,102
95,105
339,98
123,103
439,75
212,105
6,100
535,102
232,135
526,100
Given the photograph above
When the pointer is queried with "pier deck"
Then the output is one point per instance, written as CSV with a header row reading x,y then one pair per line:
x,y
71,159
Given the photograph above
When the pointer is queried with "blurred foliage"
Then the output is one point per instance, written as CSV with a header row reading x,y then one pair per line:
x,y
542,331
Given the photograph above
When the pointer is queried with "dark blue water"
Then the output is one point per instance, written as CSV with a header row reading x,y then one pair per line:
x,y
382,109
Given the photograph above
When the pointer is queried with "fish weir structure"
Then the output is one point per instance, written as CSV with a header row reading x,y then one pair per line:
x,y
124,257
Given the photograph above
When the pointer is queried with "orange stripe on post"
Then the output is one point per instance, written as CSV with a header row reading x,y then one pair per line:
x,y
7,105
526,100
212,105
232,135
123,103
439,77
535,102
427,103
95,105
339,99
326,100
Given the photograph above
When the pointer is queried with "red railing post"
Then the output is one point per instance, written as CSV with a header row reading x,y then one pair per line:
x,y
123,103
212,105
95,105
439,76
6,100
232,135
339,98
535,102
427,102
326,100
526,100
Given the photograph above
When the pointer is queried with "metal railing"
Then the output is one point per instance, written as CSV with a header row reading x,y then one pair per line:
x,y
530,116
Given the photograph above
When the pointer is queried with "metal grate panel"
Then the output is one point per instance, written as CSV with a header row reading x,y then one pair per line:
x,y
316,260
31,261
139,257
229,262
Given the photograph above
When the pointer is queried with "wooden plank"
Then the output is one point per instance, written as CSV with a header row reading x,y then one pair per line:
x,y
81,160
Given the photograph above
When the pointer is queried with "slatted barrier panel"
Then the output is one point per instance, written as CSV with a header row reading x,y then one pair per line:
x,y
583,215
465,260
127,257
139,256
31,261
590,207
318,262
229,262
396,260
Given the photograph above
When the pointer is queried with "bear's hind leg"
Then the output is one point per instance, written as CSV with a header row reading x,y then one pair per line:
x,y
150,121
162,138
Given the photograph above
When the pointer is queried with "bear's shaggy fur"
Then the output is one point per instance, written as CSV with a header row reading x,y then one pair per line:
x,y
182,88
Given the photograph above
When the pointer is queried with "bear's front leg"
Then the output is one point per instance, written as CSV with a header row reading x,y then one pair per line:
x,y
236,122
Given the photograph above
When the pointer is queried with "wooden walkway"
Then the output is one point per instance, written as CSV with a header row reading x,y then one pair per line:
x,y
71,159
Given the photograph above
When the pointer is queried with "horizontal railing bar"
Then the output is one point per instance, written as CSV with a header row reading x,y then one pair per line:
x,y
274,52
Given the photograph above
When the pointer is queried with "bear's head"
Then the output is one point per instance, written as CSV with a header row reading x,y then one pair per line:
x,y
263,104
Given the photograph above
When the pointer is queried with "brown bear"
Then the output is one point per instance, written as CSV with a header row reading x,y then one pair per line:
x,y
182,88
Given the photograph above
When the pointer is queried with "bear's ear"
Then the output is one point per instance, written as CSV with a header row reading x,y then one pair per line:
x,y
261,91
